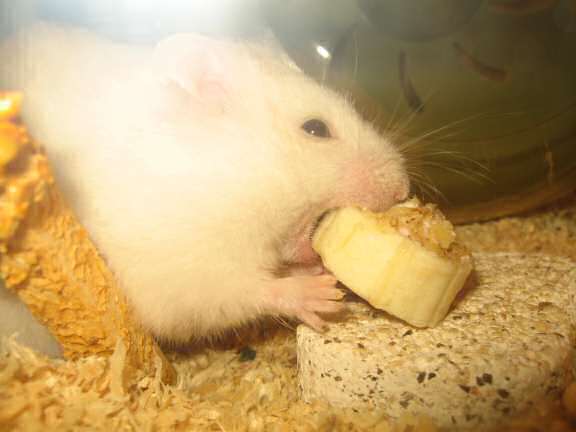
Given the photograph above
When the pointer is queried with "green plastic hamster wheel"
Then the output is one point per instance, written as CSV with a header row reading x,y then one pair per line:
x,y
482,94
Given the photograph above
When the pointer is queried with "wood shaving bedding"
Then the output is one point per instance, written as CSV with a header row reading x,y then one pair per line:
x,y
216,391
552,232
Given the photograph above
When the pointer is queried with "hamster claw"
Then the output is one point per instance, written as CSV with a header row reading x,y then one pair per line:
x,y
304,297
313,321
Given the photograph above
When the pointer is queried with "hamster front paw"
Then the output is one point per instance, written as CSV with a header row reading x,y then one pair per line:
x,y
304,297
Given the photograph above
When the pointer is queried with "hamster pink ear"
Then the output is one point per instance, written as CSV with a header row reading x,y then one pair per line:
x,y
209,70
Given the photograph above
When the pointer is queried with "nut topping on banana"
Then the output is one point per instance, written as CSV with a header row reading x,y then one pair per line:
x,y
405,261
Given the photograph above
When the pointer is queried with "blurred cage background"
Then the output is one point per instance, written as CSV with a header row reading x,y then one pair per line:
x,y
481,94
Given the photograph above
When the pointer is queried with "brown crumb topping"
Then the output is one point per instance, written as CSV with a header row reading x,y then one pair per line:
x,y
425,224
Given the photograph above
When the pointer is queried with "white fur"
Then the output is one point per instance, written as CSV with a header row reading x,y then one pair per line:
x,y
194,208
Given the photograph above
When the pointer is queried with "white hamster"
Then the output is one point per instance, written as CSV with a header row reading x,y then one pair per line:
x,y
200,167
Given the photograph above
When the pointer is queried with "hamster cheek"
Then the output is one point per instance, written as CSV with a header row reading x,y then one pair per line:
x,y
304,297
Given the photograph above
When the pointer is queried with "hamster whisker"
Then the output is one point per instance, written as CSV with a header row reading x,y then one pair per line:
x,y
390,123
408,145
402,125
453,161
424,184
427,155
475,177
280,320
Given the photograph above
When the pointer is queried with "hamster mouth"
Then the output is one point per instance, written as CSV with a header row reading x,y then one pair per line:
x,y
301,249
317,223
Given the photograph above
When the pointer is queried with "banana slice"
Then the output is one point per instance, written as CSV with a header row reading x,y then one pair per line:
x,y
405,261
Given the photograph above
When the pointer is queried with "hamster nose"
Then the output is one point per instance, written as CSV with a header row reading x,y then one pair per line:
x,y
379,198
403,191
367,185
393,191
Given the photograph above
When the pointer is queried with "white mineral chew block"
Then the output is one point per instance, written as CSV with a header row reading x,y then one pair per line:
x,y
507,344
390,270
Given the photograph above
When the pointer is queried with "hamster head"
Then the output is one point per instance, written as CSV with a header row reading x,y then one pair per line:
x,y
333,158
305,147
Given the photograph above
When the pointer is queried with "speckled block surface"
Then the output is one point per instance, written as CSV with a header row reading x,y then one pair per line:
x,y
507,344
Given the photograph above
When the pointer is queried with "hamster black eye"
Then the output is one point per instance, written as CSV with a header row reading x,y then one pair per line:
x,y
317,128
